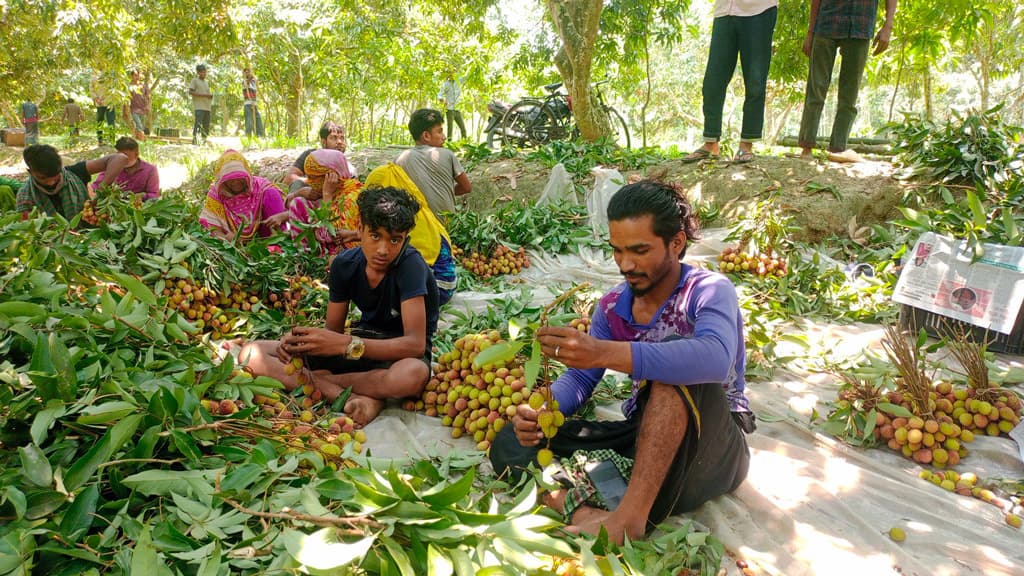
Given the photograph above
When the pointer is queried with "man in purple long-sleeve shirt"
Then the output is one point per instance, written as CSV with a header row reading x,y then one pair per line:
x,y
678,332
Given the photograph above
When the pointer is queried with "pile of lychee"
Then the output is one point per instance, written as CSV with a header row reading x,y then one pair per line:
x,y
473,400
205,307
735,261
504,260
92,215
291,300
953,418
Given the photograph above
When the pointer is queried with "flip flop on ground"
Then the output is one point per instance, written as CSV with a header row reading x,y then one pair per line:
x,y
698,155
743,157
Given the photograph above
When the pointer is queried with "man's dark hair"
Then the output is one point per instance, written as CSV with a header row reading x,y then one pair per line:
x,y
666,203
328,127
126,143
42,158
423,120
201,68
390,208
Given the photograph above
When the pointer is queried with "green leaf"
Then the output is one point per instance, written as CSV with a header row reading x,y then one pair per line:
x,y
44,420
17,499
112,441
502,351
336,489
438,563
138,289
241,477
211,564
64,369
463,565
144,558
532,366
106,412
43,503
80,515
186,445
977,210
14,309
320,552
399,556
446,495
35,468
894,409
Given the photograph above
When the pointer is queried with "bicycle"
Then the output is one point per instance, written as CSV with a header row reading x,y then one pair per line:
x,y
535,122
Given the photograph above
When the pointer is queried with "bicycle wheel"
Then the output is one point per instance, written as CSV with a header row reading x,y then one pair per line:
x,y
619,129
528,123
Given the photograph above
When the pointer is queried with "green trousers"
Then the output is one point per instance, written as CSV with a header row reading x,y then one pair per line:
x,y
854,53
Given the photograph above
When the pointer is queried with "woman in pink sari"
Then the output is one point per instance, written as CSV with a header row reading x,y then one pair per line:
x,y
330,183
240,205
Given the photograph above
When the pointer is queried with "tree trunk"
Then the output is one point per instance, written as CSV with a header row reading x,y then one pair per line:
x,y
296,87
576,23
927,91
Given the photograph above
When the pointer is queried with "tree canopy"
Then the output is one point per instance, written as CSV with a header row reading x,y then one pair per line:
x,y
368,63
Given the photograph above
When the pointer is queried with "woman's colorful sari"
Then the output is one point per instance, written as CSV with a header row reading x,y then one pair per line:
x,y
240,216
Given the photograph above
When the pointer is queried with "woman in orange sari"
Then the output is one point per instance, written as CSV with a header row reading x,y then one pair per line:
x,y
330,183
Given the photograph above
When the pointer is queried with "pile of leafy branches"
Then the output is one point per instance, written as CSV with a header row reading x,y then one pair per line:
x,y
553,228
580,157
979,148
978,164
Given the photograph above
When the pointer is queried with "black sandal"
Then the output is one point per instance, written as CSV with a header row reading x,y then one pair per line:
x,y
698,155
743,157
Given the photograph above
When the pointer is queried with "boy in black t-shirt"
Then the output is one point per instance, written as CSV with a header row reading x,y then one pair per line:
x,y
388,353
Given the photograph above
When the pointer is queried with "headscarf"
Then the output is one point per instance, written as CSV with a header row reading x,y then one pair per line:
x,y
427,233
238,215
344,210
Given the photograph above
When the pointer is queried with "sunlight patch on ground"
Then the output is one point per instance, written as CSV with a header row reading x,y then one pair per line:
x,y
826,554
805,404
780,478
840,475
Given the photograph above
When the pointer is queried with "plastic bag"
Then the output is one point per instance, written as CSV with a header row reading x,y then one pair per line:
x,y
607,182
559,188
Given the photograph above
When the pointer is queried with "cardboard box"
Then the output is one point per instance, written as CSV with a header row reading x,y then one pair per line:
x,y
14,137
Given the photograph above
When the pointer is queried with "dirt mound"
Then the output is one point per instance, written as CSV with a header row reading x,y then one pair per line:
x,y
822,197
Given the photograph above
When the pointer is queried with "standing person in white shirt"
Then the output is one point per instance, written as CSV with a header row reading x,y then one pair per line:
x,y
450,94
742,28
202,101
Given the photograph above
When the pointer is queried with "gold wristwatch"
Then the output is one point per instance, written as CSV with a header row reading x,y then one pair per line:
x,y
356,348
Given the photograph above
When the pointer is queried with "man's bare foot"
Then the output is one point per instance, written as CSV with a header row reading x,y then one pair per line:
x,y
806,154
847,156
589,520
363,409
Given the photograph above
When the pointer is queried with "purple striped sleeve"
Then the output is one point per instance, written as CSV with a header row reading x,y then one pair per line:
x,y
706,357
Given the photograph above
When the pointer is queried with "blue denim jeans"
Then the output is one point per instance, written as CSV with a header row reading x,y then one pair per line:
x,y
748,38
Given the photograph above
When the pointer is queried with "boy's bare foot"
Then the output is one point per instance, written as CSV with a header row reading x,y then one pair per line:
x,y
554,500
806,154
363,409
